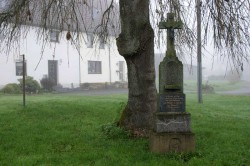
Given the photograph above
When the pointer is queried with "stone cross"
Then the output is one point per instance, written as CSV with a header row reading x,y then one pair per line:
x,y
170,25
172,124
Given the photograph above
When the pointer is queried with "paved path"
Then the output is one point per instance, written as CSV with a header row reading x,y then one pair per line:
x,y
242,91
97,92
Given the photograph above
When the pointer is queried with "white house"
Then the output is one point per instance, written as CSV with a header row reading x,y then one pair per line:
x,y
102,63
91,60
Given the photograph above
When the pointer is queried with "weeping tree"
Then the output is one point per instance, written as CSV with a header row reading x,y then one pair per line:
x,y
225,25
136,45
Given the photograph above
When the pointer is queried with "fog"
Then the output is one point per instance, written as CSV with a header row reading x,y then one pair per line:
x,y
218,72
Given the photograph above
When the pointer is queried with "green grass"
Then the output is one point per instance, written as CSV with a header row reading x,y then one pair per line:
x,y
67,130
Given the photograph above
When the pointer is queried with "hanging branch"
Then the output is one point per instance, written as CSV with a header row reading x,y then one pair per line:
x,y
54,14
224,22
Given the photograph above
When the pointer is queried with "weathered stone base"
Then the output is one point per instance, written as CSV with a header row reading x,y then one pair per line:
x,y
172,142
172,122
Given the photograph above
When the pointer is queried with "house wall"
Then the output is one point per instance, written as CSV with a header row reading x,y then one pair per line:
x,y
68,63
110,71
70,71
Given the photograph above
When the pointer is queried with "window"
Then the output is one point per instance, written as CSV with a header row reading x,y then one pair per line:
x,y
102,43
94,67
90,38
54,36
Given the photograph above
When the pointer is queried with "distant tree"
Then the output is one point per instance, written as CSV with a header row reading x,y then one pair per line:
x,y
31,85
225,21
47,84
11,88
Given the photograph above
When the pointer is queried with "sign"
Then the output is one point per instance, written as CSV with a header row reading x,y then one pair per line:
x,y
19,68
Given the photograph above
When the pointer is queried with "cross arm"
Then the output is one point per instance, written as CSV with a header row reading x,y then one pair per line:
x,y
171,25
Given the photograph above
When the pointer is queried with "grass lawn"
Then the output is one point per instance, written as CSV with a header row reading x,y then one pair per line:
x,y
67,130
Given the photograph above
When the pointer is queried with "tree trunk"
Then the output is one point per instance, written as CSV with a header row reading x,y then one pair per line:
x,y
136,45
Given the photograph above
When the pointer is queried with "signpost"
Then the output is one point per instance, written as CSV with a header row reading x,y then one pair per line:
x,y
21,71
199,60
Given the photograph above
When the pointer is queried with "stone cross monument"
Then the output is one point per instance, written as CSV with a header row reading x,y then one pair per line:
x,y
172,124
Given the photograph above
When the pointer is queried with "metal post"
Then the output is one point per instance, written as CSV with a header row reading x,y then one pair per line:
x,y
109,62
80,79
199,60
24,72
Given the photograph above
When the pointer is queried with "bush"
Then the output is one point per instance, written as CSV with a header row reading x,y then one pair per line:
x,y
47,84
31,85
208,88
12,88
85,85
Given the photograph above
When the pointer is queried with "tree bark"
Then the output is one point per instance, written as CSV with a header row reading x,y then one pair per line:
x,y
136,45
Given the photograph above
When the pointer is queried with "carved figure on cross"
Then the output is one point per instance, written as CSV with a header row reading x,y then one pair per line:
x,y
170,25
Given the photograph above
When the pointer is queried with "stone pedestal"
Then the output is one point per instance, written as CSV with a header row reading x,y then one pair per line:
x,y
172,133
172,142
172,122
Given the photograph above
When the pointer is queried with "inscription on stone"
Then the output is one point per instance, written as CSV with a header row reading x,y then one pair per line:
x,y
172,102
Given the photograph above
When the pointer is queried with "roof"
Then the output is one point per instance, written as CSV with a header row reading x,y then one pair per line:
x,y
65,15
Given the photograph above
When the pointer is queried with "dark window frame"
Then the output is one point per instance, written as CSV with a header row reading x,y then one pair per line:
x,y
94,67
54,35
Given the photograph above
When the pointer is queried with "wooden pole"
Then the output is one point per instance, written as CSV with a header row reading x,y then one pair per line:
x,y
199,59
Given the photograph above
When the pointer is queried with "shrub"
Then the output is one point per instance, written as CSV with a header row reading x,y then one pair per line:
x,y
208,88
47,84
12,88
31,85
85,85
